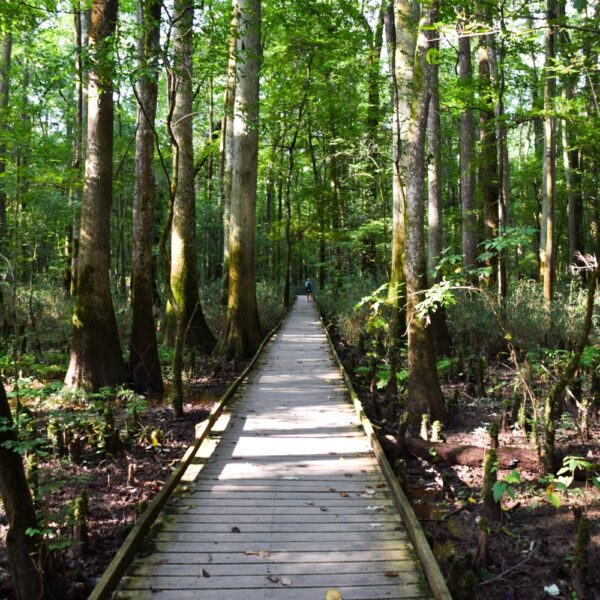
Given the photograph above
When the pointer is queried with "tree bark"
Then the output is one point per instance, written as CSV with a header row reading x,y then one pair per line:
x,y
5,60
472,456
488,160
96,359
30,564
144,364
184,266
547,251
439,325
467,145
424,392
226,145
243,334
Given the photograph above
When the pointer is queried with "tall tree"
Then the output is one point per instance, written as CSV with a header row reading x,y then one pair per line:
x,y
488,141
184,266
547,252
467,149
144,364
243,334
439,325
96,359
5,59
226,145
424,392
31,565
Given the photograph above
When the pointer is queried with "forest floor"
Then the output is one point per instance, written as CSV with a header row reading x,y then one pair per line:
x,y
531,549
115,499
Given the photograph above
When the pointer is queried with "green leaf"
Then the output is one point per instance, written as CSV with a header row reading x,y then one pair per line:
x,y
513,477
554,499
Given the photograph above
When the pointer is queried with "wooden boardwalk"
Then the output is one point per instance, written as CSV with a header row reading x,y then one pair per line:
x,y
291,503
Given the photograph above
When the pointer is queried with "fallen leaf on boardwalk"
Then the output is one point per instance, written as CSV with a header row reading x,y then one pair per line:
x,y
375,508
391,574
290,478
261,553
347,475
303,466
161,562
235,530
376,525
344,494
310,503
323,509
369,491
333,594
333,490
205,573
286,581
380,485
273,578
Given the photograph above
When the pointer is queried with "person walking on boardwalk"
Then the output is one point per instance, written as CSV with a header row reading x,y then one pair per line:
x,y
308,286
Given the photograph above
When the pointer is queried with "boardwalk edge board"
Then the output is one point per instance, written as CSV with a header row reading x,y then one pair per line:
x,y
117,567
434,576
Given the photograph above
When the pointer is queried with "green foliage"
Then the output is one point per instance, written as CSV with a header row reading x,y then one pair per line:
x,y
506,486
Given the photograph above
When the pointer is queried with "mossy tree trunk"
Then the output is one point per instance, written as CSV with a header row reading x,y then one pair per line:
x,y
96,359
226,146
439,324
400,25
184,267
424,392
30,565
467,149
144,364
242,335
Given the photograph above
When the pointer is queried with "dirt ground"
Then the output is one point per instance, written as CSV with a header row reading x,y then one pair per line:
x,y
115,503
532,547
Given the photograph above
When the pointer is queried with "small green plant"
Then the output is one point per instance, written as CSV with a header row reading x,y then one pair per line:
x,y
506,486
565,477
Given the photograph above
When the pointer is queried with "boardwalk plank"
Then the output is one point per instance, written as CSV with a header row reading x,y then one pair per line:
x,y
382,592
235,582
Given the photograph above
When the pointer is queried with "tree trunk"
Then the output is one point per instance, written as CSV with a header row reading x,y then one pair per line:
x,y
467,145
488,161
144,364
243,334
424,392
439,325
226,146
400,28
96,359
5,59
184,266
547,258
30,564
503,164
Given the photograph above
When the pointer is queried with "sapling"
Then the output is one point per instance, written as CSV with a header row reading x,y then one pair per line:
x,y
482,558
579,566
80,523
491,508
